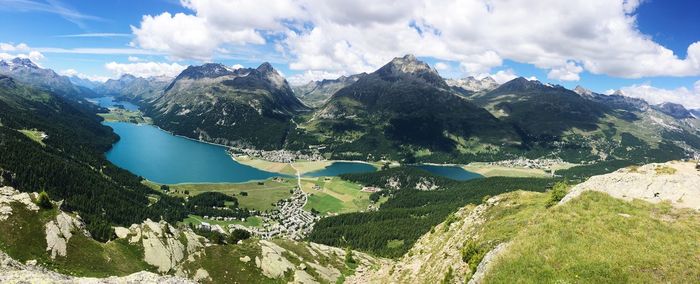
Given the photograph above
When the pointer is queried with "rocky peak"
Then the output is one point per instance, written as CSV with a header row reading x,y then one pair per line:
x,y
409,64
473,84
583,91
26,62
207,70
674,110
266,67
520,84
410,68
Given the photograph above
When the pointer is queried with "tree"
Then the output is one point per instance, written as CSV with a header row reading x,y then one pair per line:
x,y
44,201
165,187
244,193
238,235
557,193
349,260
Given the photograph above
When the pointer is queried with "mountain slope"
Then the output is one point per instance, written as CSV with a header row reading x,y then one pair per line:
x,y
592,238
56,144
133,88
403,104
245,107
25,71
316,93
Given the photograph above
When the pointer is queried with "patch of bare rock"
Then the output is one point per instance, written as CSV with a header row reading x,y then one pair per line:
x,y
675,182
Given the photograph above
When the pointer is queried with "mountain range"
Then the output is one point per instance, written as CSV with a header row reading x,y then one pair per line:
x,y
27,72
403,110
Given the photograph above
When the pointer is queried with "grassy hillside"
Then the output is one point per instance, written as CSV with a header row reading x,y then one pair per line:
x,y
597,238
409,213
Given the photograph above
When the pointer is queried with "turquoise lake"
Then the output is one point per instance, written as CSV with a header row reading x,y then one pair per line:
x,y
452,172
159,156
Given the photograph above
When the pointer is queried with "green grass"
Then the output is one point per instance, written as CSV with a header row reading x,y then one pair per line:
x,y
588,240
249,222
394,244
260,197
223,264
335,196
35,135
23,238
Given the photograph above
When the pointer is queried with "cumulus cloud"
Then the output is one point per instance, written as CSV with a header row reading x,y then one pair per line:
x,y
569,72
236,66
334,36
442,66
9,51
684,96
145,69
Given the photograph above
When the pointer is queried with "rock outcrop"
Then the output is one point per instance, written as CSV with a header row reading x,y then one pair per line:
x,y
12,271
675,182
9,195
60,230
163,244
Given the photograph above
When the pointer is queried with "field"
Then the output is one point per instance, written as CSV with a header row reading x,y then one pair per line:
x,y
283,168
260,197
249,222
334,196
487,170
36,135
122,115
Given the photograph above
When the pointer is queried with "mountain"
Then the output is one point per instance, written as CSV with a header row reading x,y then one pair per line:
x,y
541,112
614,100
695,113
83,82
56,144
249,107
405,104
473,85
130,87
676,111
25,71
316,93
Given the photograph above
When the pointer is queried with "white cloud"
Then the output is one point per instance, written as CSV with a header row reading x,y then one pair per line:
x,y
335,36
134,59
9,51
73,72
145,69
236,66
684,96
569,72
442,66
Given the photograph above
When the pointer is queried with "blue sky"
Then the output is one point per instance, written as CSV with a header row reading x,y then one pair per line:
x,y
311,39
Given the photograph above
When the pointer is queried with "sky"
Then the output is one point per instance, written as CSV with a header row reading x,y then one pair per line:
x,y
647,48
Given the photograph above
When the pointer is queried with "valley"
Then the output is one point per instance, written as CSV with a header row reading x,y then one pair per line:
x,y
227,175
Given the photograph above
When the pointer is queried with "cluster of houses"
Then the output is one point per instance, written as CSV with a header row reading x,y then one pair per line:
x,y
529,163
288,220
278,156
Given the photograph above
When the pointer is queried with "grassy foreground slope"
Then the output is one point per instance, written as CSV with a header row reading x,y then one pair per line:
x,y
518,237
600,239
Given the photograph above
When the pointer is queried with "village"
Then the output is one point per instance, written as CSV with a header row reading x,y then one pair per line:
x,y
542,164
279,156
288,220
